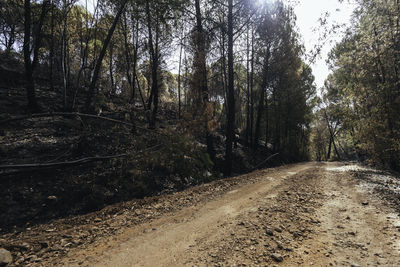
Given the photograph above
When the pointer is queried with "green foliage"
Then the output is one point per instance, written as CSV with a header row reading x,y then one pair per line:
x,y
365,84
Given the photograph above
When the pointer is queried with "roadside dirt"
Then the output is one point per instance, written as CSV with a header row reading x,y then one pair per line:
x,y
322,214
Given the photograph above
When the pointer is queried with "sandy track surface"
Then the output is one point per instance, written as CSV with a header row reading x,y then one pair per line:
x,y
309,214
306,214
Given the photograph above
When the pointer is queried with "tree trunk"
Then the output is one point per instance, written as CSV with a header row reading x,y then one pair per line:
x,y
84,58
231,95
332,134
112,83
266,121
200,57
135,40
179,82
30,89
90,103
64,44
328,156
153,51
248,136
155,81
262,98
51,53
131,81
252,91
31,64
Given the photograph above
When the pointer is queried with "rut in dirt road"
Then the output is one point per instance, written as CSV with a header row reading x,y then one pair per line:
x,y
308,214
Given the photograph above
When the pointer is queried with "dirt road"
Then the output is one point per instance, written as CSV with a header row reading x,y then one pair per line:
x,y
321,214
307,214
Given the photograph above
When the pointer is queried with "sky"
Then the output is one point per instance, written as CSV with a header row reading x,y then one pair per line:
x,y
308,12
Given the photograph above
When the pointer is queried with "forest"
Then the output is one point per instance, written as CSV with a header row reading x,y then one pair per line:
x,y
360,107
109,100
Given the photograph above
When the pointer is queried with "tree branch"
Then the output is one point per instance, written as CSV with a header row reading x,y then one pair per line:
x,y
264,161
68,114
60,164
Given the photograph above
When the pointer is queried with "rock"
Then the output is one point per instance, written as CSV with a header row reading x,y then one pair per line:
x,y
44,244
277,257
269,232
365,203
97,220
52,198
31,258
5,257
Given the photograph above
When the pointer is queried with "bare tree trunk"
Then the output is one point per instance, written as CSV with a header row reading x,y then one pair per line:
x,y
231,95
51,55
30,87
141,95
84,57
90,103
131,80
154,62
179,82
112,83
135,40
155,80
64,44
248,136
252,90
31,64
200,57
266,121
262,98
332,134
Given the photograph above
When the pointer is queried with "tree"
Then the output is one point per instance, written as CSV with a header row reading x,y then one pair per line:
x,y
96,72
365,82
32,45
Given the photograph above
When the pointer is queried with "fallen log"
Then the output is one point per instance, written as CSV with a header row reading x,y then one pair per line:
x,y
33,166
264,161
69,114
60,164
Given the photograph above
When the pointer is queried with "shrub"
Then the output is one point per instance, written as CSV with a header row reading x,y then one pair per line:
x,y
174,160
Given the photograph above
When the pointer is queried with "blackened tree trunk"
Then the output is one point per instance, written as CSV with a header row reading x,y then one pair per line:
x,y
266,121
155,80
90,103
329,148
154,64
51,53
64,56
332,134
28,62
135,40
200,63
252,90
262,98
131,75
110,66
131,81
248,135
179,82
231,95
